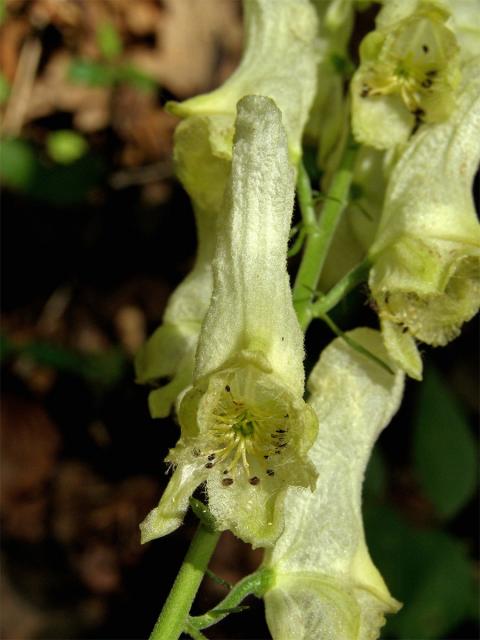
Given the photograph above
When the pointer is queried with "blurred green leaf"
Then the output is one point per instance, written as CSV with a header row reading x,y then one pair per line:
x,y
375,482
92,73
136,78
444,448
109,41
65,146
105,368
428,571
3,11
22,167
6,349
4,88
17,163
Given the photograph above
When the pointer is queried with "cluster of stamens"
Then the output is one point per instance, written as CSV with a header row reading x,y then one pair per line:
x,y
405,80
241,437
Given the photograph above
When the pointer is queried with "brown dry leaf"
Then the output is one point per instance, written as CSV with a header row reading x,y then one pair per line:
x,y
98,522
131,328
141,17
12,34
20,619
190,35
54,92
30,442
146,128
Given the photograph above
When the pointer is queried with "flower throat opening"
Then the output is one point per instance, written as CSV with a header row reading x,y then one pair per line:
x,y
245,439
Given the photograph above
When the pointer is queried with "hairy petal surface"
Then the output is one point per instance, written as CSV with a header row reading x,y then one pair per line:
x,y
202,155
252,305
426,276
245,426
326,585
279,61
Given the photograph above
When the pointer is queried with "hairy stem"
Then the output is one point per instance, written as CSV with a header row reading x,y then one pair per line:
x,y
254,584
320,237
174,615
354,344
328,301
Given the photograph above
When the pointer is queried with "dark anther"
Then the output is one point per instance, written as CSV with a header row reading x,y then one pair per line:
x,y
270,472
419,112
284,444
225,471
286,415
211,456
281,431
209,465
404,329
227,387
266,457
432,73
254,480
425,48
365,91
196,453
227,482
426,84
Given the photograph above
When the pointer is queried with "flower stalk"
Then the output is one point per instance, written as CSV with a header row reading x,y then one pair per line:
x,y
320,237
172,619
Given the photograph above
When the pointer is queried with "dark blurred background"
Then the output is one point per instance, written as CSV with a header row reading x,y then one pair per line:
x,y
95,235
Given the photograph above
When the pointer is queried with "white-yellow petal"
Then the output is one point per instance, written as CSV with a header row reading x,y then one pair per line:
x,y
426,276
279,61
321,562
251,308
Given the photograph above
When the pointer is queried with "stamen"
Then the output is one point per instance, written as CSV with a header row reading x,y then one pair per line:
x,y
241,434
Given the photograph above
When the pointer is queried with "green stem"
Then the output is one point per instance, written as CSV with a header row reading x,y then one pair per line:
x,y
354,344
339,291
254,584
174,615
319,240
194,633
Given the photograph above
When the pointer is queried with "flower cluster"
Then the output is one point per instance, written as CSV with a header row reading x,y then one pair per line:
x,y
280,472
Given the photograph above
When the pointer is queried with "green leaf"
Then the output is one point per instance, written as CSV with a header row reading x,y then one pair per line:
x,y
109,41
136,78
6,348
66,146
17,163
444,448
428,571
92,73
